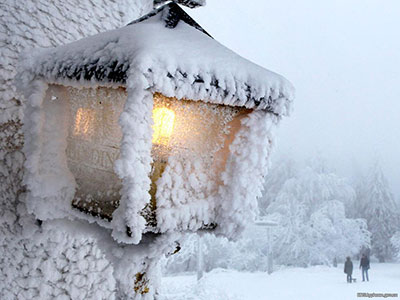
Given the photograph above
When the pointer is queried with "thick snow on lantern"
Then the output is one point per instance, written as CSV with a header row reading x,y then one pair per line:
x,y
194,135
192,139
151,128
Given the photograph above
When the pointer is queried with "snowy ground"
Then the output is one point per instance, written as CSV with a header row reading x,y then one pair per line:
x,y
322,283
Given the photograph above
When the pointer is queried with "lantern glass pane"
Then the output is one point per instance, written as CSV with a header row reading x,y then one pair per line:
x,y
93,142
192,130
194,134
188,162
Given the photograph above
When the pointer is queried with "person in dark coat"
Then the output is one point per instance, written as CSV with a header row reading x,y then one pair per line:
x,y
364,266
348,269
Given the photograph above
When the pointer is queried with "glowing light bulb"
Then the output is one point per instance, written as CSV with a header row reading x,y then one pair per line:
x,y
84,120
164,120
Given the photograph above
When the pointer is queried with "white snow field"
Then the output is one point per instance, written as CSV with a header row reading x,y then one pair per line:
x,y
314,283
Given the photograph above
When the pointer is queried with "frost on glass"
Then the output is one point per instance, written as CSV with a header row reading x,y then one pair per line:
x,y
190,145
93,143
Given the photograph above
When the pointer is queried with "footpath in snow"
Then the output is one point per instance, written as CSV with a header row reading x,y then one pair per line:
x,y
315,283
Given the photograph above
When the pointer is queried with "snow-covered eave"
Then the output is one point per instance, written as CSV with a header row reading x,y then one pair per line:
x,y
177,84
208,88
178,59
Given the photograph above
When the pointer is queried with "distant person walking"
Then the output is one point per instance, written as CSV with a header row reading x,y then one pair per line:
x,y
348,269
364,266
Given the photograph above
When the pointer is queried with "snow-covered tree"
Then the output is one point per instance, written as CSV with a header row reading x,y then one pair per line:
x,y
246,254
282,170
334,235
313,228
376,204
395,240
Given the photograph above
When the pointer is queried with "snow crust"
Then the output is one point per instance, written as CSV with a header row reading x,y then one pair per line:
x,y
76,260
53,264
185,198
314,283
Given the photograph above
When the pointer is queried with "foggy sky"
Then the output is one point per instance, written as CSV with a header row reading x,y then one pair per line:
x,y
343,57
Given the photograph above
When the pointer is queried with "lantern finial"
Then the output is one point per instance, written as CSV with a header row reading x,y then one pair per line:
x,y
188,3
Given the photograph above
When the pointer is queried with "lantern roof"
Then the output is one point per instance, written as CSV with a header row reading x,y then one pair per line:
x,y
174,55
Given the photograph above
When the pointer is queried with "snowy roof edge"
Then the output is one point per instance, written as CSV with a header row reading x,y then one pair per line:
x,y
108,59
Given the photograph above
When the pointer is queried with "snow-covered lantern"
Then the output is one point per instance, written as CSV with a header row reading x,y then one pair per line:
x,y
150,128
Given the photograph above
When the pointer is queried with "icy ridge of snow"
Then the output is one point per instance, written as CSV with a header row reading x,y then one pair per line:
x,y
244,174
134,166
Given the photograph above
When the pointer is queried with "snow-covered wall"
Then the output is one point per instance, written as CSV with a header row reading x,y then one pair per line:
x,y
40,263
54,265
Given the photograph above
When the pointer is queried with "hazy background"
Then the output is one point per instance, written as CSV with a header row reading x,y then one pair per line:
x,y
343,57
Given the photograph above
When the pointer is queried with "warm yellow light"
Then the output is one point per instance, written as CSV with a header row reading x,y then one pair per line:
x,y
164,120
84,120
